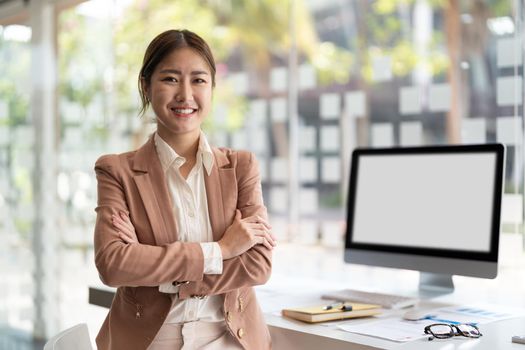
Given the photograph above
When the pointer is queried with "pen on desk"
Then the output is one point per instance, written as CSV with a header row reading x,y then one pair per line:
x,y
338,305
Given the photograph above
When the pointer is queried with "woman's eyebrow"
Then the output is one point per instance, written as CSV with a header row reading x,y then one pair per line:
x,y
178,72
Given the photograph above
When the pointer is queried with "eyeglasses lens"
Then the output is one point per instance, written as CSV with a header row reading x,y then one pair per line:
x,y
442,331
469,330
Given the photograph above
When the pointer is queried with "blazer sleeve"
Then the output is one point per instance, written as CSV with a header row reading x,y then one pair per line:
x,y
122,264
254,266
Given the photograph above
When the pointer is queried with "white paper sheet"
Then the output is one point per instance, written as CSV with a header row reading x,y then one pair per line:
x,y
381,68
278,79
307,76
508,52
307,141
509,91
411,133
330,138
382,135
474,130
279,170
476,314
278,200
410,100
278,109
355,103
257,112
330,106
308,201
508,130
308,169
331,169
391,329
439,98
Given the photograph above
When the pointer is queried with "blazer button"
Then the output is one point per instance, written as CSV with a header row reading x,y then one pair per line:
x,y
228,317
240,333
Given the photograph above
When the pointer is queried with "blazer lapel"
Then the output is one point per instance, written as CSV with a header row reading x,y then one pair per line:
x,y
151,183
218,184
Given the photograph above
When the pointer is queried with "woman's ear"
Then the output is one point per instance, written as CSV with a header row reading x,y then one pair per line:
x,y
145,88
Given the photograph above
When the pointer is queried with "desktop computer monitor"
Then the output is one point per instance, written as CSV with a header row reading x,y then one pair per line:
x,y
431,209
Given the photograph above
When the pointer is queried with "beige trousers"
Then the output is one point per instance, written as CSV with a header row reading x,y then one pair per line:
x,y
194,335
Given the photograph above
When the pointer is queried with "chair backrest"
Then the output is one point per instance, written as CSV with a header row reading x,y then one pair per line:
x,y
74,338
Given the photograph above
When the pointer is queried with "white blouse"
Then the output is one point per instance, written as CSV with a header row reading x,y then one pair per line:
x,y
190,209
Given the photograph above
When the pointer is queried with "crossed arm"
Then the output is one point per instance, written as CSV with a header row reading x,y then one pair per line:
x,y
122,261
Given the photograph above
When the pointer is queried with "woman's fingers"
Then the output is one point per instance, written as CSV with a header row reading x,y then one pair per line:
x,y
256,219
126,230
265,243
266,236
122,227
126,238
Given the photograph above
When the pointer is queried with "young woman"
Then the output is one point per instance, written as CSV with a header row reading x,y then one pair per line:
x,y
181,227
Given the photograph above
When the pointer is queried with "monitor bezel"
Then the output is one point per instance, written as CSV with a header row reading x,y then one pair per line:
x,y
491,256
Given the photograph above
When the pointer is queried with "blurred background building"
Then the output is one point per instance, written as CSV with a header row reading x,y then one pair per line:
x,y
300,82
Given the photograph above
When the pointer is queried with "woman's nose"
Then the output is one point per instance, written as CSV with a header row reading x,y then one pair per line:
x,y
184,93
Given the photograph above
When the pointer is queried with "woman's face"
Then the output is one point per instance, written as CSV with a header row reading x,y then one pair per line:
x,y
180,92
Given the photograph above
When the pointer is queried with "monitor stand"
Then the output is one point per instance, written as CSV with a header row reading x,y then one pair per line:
x,y
435,284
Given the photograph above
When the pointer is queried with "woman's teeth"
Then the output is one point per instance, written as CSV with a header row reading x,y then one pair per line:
x,y
183,110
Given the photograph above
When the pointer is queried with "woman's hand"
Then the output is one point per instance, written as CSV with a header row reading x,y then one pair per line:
x,y
243,234
125,229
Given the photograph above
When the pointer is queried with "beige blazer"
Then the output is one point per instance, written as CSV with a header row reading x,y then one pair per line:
x,y
134,182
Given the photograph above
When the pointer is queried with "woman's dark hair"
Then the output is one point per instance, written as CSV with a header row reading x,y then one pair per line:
x,y
162,46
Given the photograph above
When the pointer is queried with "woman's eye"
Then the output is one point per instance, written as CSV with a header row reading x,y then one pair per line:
x,y
200,81
170,79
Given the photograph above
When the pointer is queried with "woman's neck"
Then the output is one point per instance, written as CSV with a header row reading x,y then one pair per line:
x,y
185,145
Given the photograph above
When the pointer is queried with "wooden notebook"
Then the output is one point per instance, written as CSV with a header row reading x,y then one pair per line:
x,y
313,314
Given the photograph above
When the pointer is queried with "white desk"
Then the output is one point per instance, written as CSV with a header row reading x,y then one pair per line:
x,y
291,334
302,273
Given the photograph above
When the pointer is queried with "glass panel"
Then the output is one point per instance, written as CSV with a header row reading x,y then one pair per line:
x,y
16,179
392,73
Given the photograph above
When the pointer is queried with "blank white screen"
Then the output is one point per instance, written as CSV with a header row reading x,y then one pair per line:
x,y
427,201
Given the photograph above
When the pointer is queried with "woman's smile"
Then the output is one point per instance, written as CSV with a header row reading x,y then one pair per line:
x,y
183,112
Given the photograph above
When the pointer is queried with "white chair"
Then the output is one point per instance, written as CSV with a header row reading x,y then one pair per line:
x,y
74,338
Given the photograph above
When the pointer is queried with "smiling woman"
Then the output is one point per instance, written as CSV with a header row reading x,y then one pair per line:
x,y
180,92
181,227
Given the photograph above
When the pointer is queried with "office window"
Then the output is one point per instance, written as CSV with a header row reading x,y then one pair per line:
x,y
16,178
415,73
